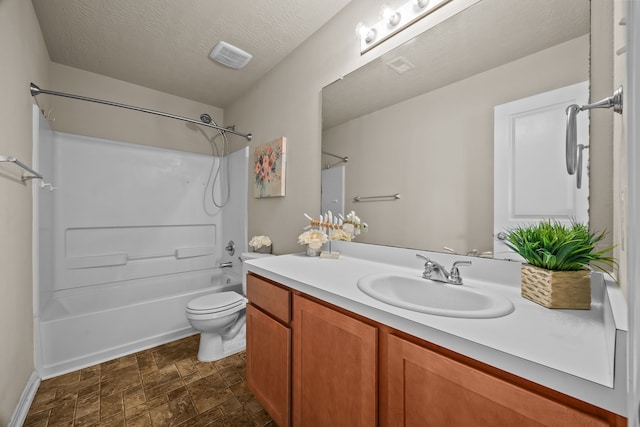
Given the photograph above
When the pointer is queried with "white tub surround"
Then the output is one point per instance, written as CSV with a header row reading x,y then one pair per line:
x,y
128,235
581,353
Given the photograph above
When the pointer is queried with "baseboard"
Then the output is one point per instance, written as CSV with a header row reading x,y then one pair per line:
x,y
29,392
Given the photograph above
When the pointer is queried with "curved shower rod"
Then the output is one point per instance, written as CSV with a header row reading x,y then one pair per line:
x,y
35,90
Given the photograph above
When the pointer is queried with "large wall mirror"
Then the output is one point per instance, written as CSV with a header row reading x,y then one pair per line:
x,y
419,121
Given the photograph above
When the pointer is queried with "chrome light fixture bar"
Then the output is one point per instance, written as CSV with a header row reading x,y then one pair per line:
x,y
395,21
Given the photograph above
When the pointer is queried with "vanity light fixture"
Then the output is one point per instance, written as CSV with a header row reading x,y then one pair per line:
x,y
394,21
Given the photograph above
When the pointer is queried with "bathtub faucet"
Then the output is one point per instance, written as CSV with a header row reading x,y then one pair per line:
x,y
227,264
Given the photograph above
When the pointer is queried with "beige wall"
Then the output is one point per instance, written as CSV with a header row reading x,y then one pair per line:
x,y
288,102
102,121
24,59
433,161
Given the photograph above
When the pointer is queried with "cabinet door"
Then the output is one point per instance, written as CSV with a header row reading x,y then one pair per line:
x,y
425,389
334,368
269,364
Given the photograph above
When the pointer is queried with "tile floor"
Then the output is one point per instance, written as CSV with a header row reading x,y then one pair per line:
x,y
161,386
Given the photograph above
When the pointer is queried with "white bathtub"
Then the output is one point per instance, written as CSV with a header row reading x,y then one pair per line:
x,y
86,326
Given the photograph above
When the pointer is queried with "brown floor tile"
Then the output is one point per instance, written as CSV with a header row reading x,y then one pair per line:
x,y
145,407
88,404
162,389
111,406
71,377
146,362
90,372
118,380
112,422
168,355
229,406
162,386
204,419
205,368
37,419
64,413
87,386
90,419
162,376
209,391
232,375
232,361
141,421
262,419
133,396
44,400
238,418
118,363
173,413
241,391
188,370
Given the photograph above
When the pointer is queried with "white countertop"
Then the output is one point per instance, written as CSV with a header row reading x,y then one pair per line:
x,y
572,351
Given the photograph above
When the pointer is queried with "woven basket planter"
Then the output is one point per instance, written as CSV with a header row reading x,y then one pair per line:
x,y
557,289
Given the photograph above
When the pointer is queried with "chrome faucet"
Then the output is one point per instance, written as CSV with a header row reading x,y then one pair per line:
x,y
432,268
227,264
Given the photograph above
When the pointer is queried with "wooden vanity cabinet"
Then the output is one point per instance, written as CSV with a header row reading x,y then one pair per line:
x,y
334,367
424,388
313,364
269,347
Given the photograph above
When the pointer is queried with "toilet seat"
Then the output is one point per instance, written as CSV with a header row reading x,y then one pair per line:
x,y
220,304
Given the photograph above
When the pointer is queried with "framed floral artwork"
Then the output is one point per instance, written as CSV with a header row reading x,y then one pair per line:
x,y
269,168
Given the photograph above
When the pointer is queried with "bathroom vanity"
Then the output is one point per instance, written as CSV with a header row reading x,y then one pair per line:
x,y
322,352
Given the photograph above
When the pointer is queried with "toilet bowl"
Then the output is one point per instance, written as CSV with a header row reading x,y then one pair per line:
x,y
220,319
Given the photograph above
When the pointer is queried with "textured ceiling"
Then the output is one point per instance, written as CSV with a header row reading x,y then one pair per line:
x,y
165,44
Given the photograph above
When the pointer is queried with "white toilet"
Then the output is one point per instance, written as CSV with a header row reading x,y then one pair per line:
x,y
220,318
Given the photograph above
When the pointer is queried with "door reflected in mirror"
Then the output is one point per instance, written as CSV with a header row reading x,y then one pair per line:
x,y
429,133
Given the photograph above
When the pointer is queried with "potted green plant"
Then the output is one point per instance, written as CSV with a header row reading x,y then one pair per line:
x,y
558,257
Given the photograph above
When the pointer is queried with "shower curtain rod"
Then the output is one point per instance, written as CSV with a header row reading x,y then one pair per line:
x,y
35,90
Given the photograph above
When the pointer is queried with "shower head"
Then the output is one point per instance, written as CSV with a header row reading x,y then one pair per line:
x,y
205,118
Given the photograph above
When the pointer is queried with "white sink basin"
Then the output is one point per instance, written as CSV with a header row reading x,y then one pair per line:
x,y
426,296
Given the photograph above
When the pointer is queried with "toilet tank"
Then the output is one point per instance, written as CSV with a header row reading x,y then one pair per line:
x,y
247,256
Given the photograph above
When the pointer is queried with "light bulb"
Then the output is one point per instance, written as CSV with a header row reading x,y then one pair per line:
x,y
394,19
421,3
386,13
370,35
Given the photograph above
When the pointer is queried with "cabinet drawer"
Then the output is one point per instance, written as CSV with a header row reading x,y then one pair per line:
x,y
269,297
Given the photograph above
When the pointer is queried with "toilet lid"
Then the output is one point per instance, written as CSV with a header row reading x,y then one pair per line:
x,y
215,302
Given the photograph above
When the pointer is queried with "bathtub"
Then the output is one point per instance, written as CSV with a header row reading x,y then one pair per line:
x,y
81,327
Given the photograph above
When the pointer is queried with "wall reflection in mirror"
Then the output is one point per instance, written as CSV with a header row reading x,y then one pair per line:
x,y
419,122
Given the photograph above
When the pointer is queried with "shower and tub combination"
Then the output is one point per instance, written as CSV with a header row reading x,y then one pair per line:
x,y
127,236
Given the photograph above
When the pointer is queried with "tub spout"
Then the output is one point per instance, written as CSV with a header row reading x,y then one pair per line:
x,y
227,264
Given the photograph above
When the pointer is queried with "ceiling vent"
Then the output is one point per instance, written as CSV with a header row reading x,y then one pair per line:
x,y
230,55
400,65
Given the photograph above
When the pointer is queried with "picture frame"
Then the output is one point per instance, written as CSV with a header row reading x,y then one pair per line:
x,y
269,168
